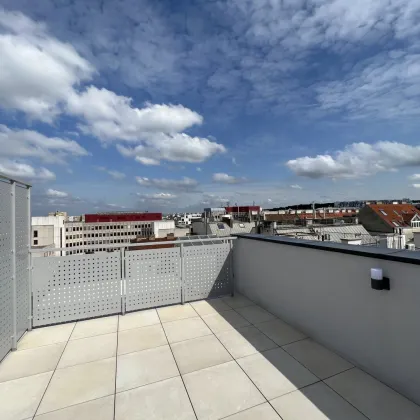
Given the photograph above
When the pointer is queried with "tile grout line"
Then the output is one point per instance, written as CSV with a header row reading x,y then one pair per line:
x,y
116,367
176,364
49,382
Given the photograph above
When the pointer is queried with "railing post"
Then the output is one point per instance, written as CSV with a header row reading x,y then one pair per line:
x,y
30,317
231,274
182,274
13,260
123,280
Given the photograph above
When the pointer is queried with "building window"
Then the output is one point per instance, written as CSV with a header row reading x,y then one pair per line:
x,y
35,234
395,224
383,212
35,241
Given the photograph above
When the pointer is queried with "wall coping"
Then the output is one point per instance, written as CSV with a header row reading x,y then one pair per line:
x,y
409,257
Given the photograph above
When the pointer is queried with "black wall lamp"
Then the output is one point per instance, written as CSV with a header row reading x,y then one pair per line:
x,y
377,280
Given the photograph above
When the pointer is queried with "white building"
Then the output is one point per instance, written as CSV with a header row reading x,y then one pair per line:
x,y
48,231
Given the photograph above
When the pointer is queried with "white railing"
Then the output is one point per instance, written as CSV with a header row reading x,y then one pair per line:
x,y
81,286
14,262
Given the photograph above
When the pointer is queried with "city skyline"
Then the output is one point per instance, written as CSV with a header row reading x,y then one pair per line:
x,y
180,106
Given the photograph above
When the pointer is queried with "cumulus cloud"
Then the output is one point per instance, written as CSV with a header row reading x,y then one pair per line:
x,y
158,196
37,71
227,179
296,187
416,185
31,144
357,160
414,177
114,174
25,171
55,193
185,184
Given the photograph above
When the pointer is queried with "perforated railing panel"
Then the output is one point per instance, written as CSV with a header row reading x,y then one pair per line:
x,y
152,278
22,260
6,328
207,271
75,287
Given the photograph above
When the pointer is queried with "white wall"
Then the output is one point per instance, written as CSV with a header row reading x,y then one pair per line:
x,y
328,296
162,228
59,231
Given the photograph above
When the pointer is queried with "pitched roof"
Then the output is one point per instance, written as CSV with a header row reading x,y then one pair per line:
x,y
395,215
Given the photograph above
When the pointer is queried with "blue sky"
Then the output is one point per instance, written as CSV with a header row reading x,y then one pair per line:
x,y
163,105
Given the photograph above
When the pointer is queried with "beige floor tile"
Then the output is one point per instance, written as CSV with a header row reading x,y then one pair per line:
x,y
315,402
199,353
138,319
211,306
255,314
45,336
175,312
237,301
373,398
18,364
141,339
280,332
89,349
318,359
220,391
145,367
99,409
96,326
185,329
260,412
19,398
226,320
78,384
165,400
276,373
245,341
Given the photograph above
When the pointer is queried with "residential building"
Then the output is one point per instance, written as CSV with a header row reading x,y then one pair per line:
x,y
214,213
223,228
186,219
49,231
244,213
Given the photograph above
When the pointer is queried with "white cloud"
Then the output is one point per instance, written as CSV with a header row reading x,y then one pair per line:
x,y
234,161
227,179
56,193
416,185
25,171
177,147
158,196
114,174
37,71
185,184
356,160
296,187
31,144
414,177
198,169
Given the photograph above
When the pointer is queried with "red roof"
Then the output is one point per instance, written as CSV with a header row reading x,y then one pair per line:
x,y
396,215
122,217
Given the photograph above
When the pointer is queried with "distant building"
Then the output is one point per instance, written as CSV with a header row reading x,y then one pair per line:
x,y
214,213
222,228
244,213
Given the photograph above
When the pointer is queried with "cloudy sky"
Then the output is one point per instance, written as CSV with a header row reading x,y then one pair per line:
x,y
164,105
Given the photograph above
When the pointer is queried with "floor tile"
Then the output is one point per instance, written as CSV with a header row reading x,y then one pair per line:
x,y
89,349
165,400
259,412
315,402
96,326
100,409
18,364
212,306
220,391
226,320
255,314
373,398
78,384
175,312
280,332
141,339
185,329
199,353
145,367
275,372
318,359
237,301
138,319
245,341
45,336
19,398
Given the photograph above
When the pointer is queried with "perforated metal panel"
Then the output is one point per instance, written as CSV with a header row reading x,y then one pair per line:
x,y
152,278
75,287
207,271
6,328
22,260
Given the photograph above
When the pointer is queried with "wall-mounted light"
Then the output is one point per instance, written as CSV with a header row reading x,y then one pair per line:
x,y
377,280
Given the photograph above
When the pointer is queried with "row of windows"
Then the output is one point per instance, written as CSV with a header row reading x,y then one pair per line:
x,y
112,241
106,227
106,235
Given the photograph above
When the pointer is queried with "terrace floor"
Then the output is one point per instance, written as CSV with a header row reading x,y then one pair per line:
x,y
219,359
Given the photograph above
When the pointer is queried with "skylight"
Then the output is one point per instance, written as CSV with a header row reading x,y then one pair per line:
x,y
383,212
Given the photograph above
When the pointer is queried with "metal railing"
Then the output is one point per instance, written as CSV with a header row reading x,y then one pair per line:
x,y
81,286
14,262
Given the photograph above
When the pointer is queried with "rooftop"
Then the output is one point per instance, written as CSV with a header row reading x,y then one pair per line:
x,y
225,358
395,214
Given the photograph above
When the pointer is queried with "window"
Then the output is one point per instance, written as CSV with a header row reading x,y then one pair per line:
x,y
395,211
395,224
35,241
383,212
221,226
35,234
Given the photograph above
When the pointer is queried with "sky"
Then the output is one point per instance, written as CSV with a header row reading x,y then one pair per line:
x,y
176,106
